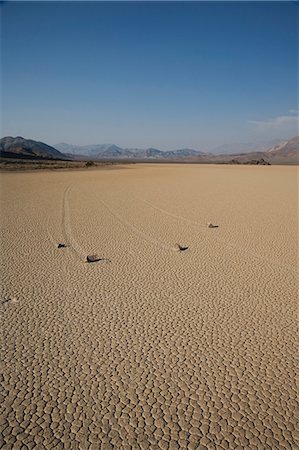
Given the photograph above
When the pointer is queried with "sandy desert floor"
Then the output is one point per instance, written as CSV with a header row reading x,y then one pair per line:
x,y
156,349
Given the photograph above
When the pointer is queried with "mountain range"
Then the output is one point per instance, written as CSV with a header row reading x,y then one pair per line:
x,y
112,150
104,151
282,152
277,151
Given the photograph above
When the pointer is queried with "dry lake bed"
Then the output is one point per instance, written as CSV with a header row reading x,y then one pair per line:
x,y
150,347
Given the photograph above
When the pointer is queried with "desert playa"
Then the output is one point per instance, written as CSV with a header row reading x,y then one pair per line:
x,y
150,347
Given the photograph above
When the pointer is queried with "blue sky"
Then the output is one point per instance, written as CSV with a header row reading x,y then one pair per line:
x,y
140,74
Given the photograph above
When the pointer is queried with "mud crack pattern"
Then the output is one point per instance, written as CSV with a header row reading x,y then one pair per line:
x,y
158,349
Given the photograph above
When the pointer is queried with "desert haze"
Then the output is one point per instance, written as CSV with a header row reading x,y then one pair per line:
x,y
150,347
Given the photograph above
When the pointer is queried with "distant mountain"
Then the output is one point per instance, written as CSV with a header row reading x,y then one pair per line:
x,y
242,147
89,150
104,151
21,148
291,145
183,153
286,150
186,152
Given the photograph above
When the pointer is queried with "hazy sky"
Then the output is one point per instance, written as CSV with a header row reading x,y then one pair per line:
x,y
167,75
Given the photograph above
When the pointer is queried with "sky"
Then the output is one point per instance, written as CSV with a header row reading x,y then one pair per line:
x,y
149,74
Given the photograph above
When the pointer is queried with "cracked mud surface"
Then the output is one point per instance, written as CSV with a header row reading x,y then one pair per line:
x,y
158,349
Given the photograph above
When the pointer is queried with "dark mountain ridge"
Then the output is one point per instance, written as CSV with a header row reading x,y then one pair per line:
x,y
20,148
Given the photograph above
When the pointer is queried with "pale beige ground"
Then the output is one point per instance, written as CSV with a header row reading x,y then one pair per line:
x,y
157,349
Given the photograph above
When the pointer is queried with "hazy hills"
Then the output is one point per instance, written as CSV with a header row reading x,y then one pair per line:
x,y
21,148
286,152
113,151
245,147
89,150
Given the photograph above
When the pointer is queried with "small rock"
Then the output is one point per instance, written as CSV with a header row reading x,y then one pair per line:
x,y
211,225
92,258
